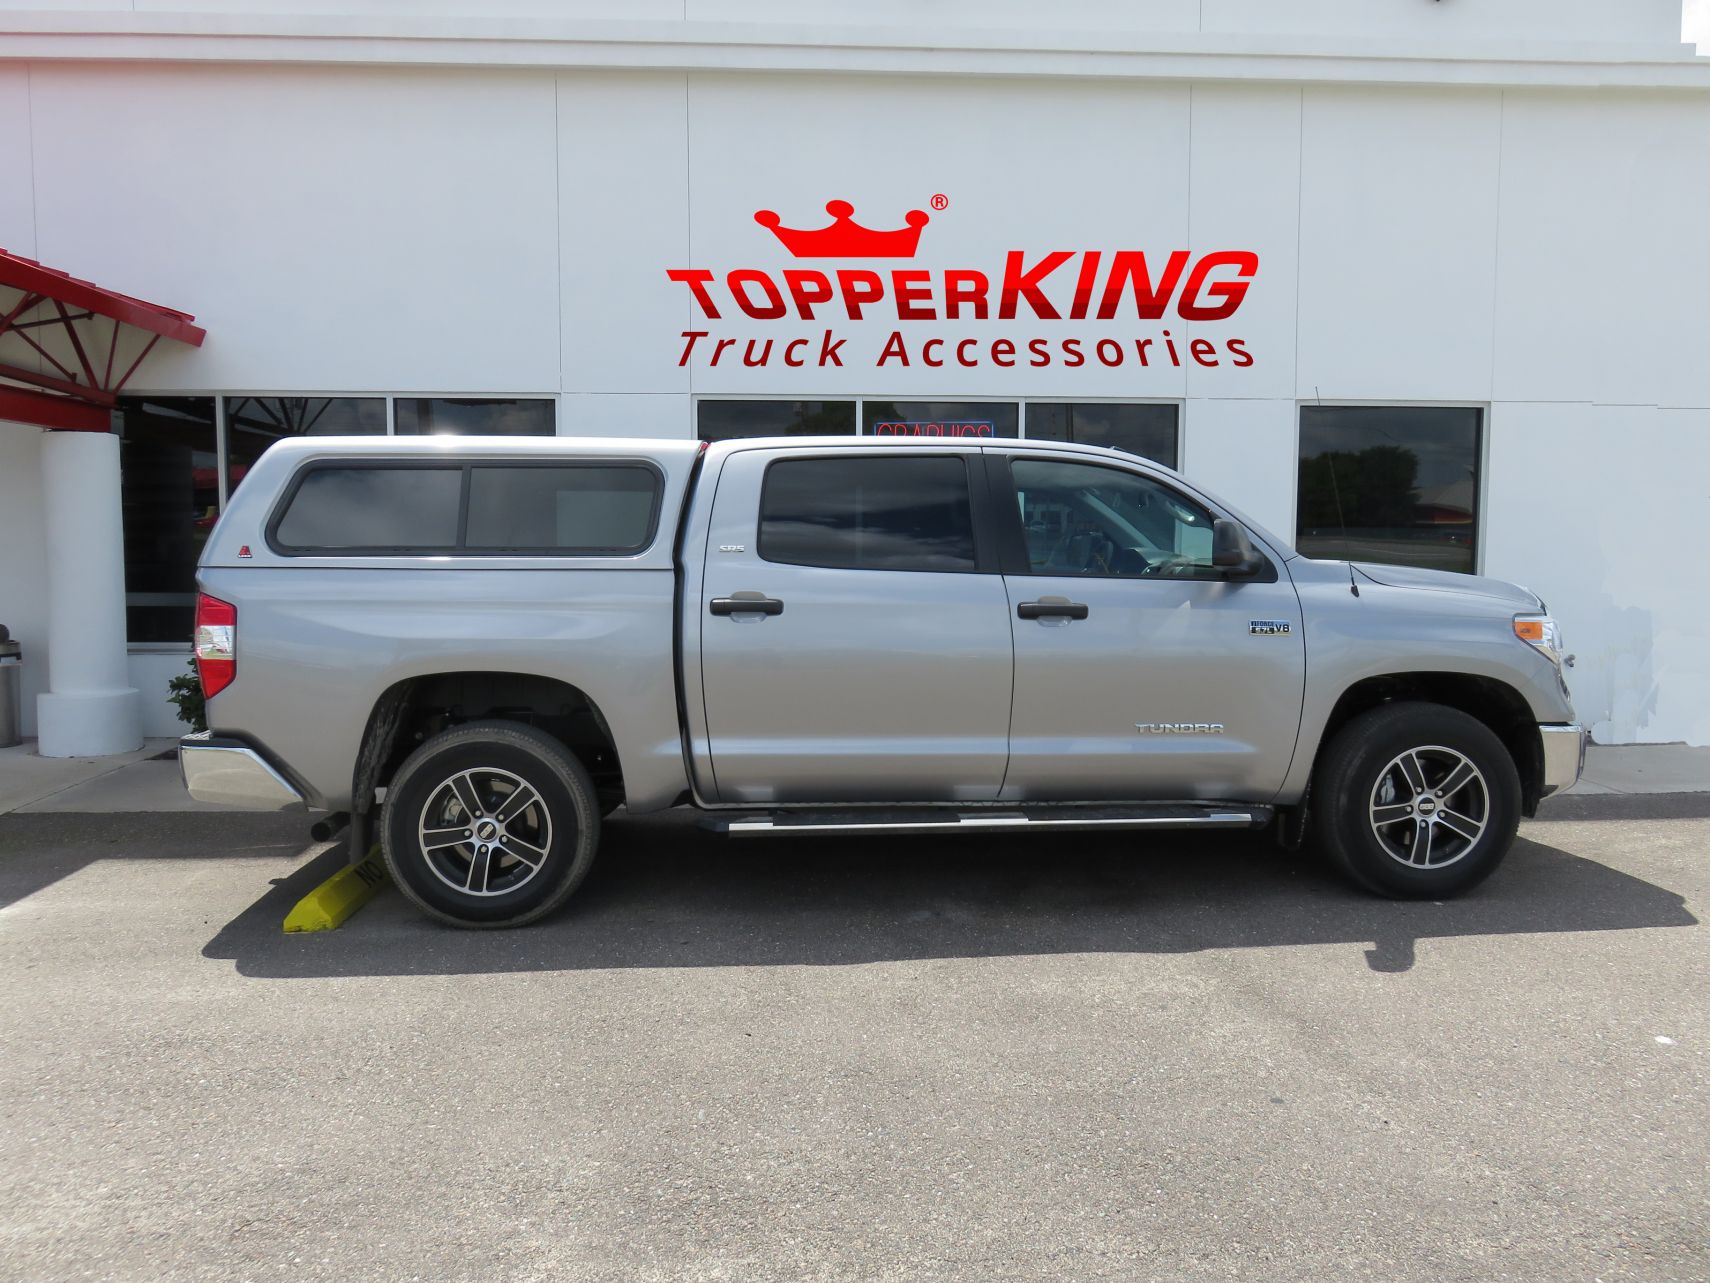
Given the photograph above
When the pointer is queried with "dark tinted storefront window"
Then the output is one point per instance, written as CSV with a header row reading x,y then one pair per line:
x,y
255,422
170,495
728,420
868,514
1395,484
1146,430
585,507
940,418
400,509
475,417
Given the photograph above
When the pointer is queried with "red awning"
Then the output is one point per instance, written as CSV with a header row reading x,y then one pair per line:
x,y
81,368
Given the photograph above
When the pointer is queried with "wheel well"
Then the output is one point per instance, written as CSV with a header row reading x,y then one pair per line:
x,y
412,710
1498,705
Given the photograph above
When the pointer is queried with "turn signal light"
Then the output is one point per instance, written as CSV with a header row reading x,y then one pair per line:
x,y
216,643
1530,630
1542,633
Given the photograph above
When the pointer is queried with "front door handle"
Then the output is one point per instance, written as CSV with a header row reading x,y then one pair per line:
x,y
1051,610
746,606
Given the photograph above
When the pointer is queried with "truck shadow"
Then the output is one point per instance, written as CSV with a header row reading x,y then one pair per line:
x,y
40,849
666,894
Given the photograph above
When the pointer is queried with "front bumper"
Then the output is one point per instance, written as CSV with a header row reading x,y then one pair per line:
x,y
1564,756
230,772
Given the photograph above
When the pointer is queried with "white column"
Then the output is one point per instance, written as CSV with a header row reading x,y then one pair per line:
x,y
89,708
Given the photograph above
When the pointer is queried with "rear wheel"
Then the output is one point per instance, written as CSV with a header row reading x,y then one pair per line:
x,y
492,824
1416,801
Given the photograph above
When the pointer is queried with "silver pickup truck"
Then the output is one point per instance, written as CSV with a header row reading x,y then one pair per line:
x,y
482,646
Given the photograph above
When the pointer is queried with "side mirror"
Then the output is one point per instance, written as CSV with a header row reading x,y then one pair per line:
x,y
1232,551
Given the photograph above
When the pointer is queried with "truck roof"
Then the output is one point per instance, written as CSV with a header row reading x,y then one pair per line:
x,y
238,537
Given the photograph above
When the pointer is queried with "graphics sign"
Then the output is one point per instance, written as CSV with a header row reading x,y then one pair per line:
x,y
947,428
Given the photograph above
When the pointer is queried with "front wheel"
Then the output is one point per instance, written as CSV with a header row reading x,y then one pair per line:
x,y
491,824
1416,801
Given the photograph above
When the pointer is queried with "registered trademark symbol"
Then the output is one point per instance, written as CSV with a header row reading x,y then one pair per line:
x,y
941,201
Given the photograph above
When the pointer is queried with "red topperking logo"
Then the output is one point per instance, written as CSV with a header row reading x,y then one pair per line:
x,y
846,238
1119,285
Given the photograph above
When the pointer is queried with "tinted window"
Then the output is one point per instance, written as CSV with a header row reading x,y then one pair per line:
x,y
1082,519
1146,430
941,418
727,420
596,508
474,416
868,514
255,422
169,491
406,508
1397,484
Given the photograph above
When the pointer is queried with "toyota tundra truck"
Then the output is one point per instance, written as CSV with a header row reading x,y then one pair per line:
x,y
480,647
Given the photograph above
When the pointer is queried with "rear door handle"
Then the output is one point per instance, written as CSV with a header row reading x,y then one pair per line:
x,y
1051,610
746,606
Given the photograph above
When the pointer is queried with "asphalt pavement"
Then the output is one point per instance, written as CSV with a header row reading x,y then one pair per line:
x,y
923,1058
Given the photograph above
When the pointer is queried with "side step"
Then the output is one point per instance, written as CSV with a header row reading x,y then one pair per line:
x,y
926,819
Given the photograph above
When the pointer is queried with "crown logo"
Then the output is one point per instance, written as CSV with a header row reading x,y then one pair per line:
x,y
845,238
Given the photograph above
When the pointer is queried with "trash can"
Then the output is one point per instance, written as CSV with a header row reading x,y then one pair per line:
x,y
11,661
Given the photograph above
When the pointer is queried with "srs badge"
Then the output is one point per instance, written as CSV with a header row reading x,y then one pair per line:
x,y
1269,627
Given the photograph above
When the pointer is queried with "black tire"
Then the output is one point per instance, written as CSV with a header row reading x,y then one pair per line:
x,y
1395,821
501,758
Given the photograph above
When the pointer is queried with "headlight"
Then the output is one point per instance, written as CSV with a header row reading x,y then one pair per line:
x,y
1544,633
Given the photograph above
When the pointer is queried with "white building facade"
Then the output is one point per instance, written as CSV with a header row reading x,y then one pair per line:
x,y
1416,281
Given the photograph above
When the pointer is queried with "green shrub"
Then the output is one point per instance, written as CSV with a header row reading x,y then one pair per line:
x,y
185,690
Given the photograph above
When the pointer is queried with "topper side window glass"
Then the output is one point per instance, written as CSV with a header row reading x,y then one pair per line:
x,y
336,509
584,507
887,513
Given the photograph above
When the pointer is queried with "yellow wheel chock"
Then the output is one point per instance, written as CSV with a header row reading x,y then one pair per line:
x,y
341,895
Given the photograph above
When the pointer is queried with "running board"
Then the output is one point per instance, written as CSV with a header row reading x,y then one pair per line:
x,y
945,820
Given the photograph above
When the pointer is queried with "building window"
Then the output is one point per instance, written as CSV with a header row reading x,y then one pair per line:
x,y
170,498
1146,430
255,422
1395,484
940,418
475,417
730,420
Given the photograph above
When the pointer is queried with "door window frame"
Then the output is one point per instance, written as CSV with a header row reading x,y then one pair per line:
x,y
984,518
1012,536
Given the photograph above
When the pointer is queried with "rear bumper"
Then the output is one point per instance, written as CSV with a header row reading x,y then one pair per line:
x,y
230,772
1564,756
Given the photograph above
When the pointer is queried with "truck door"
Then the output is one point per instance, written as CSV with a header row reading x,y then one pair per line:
x,y
854,631
1140,671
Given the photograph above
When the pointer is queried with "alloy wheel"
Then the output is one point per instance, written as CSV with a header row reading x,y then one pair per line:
x,y
1429,807
485,831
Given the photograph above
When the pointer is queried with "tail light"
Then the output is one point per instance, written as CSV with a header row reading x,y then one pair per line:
x,y
216,643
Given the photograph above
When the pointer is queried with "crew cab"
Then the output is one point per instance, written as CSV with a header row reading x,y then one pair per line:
x,y
483,646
